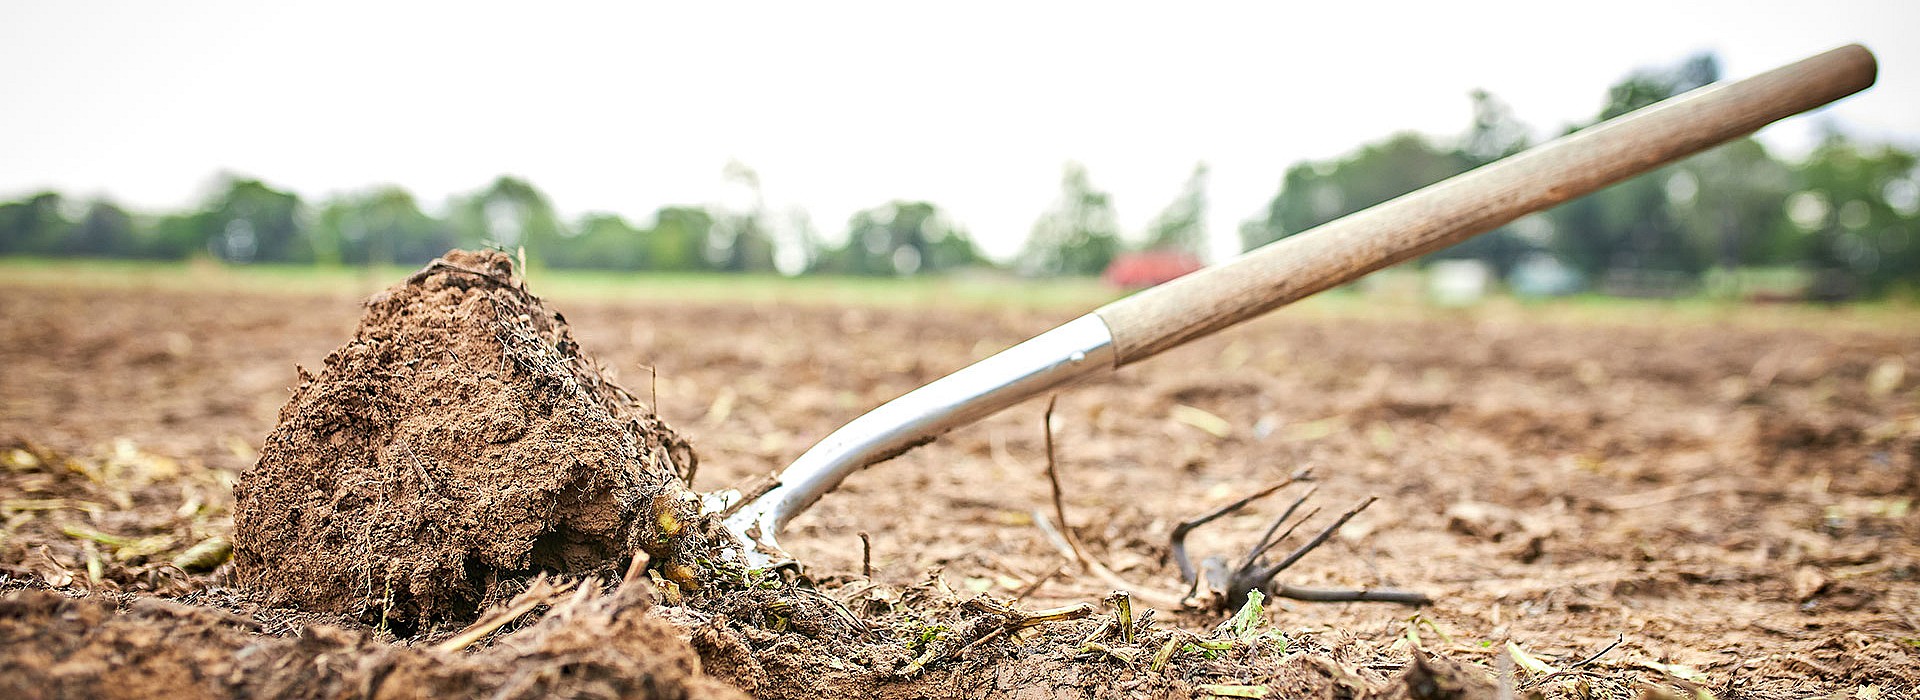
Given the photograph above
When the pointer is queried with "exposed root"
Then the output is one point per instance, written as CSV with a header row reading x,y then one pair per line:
x,y
1178,538
542,592
1077,553
1228,588
1053,478
1249,575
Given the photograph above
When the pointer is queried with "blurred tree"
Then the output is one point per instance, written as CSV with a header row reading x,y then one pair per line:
x,y
510,214
382,226
901,238
738,240
951,248
180,235
1628,226
797,245
677,239
1646,86
1315,193
1182,226
1078,235
106,231
247,221
603,242
1729,200
1858,214
1496,133
1628,231
33,226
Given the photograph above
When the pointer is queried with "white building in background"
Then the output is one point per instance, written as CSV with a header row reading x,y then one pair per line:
x,y
1458,282
1542,275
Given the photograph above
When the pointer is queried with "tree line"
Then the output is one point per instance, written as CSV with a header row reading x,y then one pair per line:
x,y
246,220
1847,215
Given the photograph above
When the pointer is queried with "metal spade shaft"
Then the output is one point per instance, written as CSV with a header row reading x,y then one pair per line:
x,y
1292,268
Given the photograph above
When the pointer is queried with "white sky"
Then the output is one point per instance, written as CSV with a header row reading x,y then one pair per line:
x,y
973,106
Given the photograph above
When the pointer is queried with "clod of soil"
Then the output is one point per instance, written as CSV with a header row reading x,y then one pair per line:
x,y
459,441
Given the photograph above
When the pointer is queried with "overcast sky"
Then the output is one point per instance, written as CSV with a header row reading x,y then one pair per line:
x,y
974,106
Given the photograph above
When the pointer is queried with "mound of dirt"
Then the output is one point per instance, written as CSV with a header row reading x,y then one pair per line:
x,y
460,440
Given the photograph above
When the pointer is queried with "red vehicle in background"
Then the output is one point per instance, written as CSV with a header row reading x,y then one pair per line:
x,y
1142,270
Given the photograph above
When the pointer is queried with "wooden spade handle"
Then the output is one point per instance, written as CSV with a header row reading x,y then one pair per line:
x,y
1475,202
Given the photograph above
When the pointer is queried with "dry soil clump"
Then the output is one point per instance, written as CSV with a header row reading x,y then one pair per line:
x,y
459,441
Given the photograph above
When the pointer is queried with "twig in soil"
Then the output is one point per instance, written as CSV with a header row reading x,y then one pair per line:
x,y
1250,575
1074,551
1264,577
1160,658
1350,595
866,555
636,570
1571,669
1268,540
1603,652
1045,523
1269,572
419,469
1123,655
653,406
1179,534
1053,476
1122,603
988,637
1235,691
761,485
1181,639
839,609
542,592
441,264
1017,618
964,637
653,389
1037,583
1100,632
1166,599
1121,620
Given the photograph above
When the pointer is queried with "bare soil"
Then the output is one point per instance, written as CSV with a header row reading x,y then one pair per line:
x,y
605,646
1733,502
